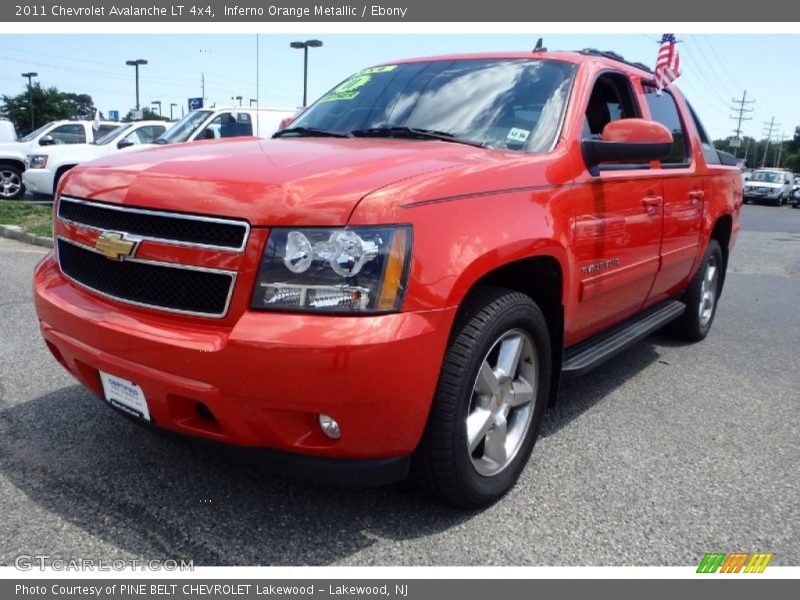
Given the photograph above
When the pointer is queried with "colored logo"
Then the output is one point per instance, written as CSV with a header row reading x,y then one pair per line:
x,y
114,246
734,562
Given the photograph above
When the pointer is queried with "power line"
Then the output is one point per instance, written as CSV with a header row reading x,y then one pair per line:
x,y
704,72
721,63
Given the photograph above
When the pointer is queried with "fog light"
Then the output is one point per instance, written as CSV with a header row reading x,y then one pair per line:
x,y
329,426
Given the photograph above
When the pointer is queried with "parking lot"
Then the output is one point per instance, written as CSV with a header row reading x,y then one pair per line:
x,y
661,455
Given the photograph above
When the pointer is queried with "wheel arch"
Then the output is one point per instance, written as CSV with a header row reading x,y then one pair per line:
x,y
60,171
722,232
540,277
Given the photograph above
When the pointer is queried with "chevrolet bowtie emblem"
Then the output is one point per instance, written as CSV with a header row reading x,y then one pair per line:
x,y
115,246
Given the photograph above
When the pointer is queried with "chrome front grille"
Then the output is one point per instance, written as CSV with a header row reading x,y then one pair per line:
x,y
162,285
161,226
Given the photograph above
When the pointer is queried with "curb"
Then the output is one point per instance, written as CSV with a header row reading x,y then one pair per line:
x,y
15,232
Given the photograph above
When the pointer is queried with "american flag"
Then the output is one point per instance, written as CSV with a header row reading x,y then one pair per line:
x,y
668,63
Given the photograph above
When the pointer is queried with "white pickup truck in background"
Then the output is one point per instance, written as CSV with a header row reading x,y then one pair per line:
x,y
45,166
55,133
217,123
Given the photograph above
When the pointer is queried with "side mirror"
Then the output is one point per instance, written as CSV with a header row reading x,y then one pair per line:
x,y
46,140
124,144
627,140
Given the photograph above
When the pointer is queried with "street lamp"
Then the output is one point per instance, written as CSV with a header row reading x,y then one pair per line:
x,y
136,63
158,103
171,106
253,101
30,76
238,99
305,46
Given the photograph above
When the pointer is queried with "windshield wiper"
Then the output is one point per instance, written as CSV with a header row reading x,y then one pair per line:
x,y
413,133
308,132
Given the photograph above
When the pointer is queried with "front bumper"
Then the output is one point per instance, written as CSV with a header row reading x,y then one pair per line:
x,y
265,379
38,181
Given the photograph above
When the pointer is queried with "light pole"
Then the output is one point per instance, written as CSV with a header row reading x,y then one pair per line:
x,y
171,106
30,76
305,46
238,99
157,103
253,101
136,63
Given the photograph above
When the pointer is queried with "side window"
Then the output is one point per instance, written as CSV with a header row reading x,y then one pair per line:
x,y
612,99
145,135
225,125
240,126
664,110
710,153
69,134
150,134
104,129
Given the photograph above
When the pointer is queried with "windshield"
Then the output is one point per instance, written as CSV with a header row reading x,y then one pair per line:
x,y
109,137
513,104
767,176
183,129
35,132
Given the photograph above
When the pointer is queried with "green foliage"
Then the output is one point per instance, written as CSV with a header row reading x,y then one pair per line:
x,y
788,153
49,104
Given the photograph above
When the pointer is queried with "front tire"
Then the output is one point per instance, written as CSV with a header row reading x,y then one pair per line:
x,y
490,400
701,297
11,186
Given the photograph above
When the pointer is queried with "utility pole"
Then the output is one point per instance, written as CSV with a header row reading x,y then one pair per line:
x,y
780,151
136,64
203,88
769,130
30,77
740,107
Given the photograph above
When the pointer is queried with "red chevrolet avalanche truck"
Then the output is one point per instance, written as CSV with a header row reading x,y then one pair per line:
x,y
397,281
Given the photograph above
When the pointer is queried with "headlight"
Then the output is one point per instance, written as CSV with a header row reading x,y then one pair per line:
x,y
775,191
37,161
357,269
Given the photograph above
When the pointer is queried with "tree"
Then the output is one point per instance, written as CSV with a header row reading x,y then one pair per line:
x,y
49,104
148,114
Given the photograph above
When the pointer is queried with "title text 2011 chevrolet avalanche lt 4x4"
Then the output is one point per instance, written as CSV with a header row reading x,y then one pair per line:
x,y
399,279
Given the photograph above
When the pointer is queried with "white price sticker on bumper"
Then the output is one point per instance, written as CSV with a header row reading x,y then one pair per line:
x,y
125,395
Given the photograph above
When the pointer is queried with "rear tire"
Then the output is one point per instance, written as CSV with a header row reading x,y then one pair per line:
x,y
701,297
489,402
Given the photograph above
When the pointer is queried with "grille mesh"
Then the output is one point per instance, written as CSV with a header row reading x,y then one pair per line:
x,y
171,288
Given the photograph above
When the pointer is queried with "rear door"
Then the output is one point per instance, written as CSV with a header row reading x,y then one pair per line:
x,y
683,197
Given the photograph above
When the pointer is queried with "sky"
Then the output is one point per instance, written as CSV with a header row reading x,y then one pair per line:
x,y
716,67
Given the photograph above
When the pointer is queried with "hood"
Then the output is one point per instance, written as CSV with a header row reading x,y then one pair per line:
x,y
309,181
764,184
14,148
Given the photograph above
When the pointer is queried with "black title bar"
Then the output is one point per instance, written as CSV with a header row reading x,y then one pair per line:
x,y
465,11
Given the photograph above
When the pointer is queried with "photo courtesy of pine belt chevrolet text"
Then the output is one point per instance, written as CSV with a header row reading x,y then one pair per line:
x,y
396,282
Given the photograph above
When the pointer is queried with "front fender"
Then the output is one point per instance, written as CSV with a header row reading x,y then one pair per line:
x,y
457,242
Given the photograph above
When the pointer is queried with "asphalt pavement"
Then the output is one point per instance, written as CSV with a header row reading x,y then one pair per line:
x,y
667,452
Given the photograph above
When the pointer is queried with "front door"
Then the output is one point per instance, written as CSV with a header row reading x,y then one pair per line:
x,y
618,224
